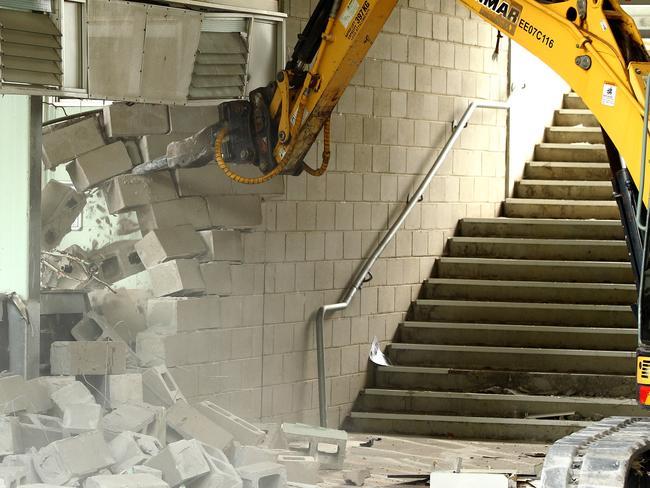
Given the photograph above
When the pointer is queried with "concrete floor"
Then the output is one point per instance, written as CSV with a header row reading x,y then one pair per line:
x,y
419,455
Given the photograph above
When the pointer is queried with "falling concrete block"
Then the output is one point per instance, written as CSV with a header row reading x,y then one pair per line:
x,y
74,392
124,310
300,469
64,142
192,424
217,278
81,417
130,449
162,245
74,457
92,168
124,193
38,431
60,207
10,437
463,480
88,358
263,475
125,481
327,446
133,120
181,277
127,418
13,394
26,462
222,473
117,260
172,213
160,387
180,462
183,314
222,245
13,476
235,211
242,431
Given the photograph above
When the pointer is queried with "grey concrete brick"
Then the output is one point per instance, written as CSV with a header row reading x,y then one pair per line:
x,y
87,358
63,143
94,167
162,245
172,213
125,192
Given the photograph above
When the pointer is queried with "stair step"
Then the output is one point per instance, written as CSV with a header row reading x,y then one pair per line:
x,y
569,135
547,151
513,358
529,291
555,228
518,248
493,405
523,313
572,100
575,116
534,270
466,379
562,189
483,428
561,170
561,209
510,335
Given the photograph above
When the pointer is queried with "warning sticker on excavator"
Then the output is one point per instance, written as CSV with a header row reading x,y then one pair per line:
x,y
358,19
349,12
609,95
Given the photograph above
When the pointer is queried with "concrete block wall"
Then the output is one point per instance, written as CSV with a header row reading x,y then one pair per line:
x,y
429,61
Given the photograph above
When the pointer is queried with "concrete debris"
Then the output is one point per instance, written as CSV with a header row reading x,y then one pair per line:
x,y
13,395
130,449
13,476
180,462
117,389
172,213
192,424
10,439
117,261
60,207
123,309
88,357
181,277
64,142
162,245
242,431
301,469
462,480
27,462
141,480
356,477
134,120
327,446
81,417
126,192
263,475
98,165
160,387
244,455
74,392
128,418
38,431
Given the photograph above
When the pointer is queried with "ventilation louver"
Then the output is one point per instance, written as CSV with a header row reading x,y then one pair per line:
x,y
221,65
30,49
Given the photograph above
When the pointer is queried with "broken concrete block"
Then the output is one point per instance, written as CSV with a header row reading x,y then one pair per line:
x,y
327,446
263,475
13,394
160,387
245,455
217,279
139,469
222,473
52,384
125,481
74,392
222,245
356,477
242,431
191,424
162,245
235,211
38,431
462,480
10,437
300,469
88,358
117,260
124,310
133,120
181,277
98,165
26,462
183,314
125,192
81,417
64,142
274,438
13,476
130,449
127,418
74,457
60,207
172,213
180,462
153,146
118,389
191,119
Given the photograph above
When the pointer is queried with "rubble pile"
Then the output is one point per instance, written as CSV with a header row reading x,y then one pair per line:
x,y
103,428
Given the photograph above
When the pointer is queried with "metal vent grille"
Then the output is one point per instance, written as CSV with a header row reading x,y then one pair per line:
x,y
221,65
30,49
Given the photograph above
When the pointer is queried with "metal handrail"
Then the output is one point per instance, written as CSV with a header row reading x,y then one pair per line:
x,y
361,275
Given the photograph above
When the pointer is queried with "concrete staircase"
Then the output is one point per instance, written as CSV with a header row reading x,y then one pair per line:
x,y
525,330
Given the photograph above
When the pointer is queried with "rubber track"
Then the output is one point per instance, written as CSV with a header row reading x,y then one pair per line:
x,y
597,456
